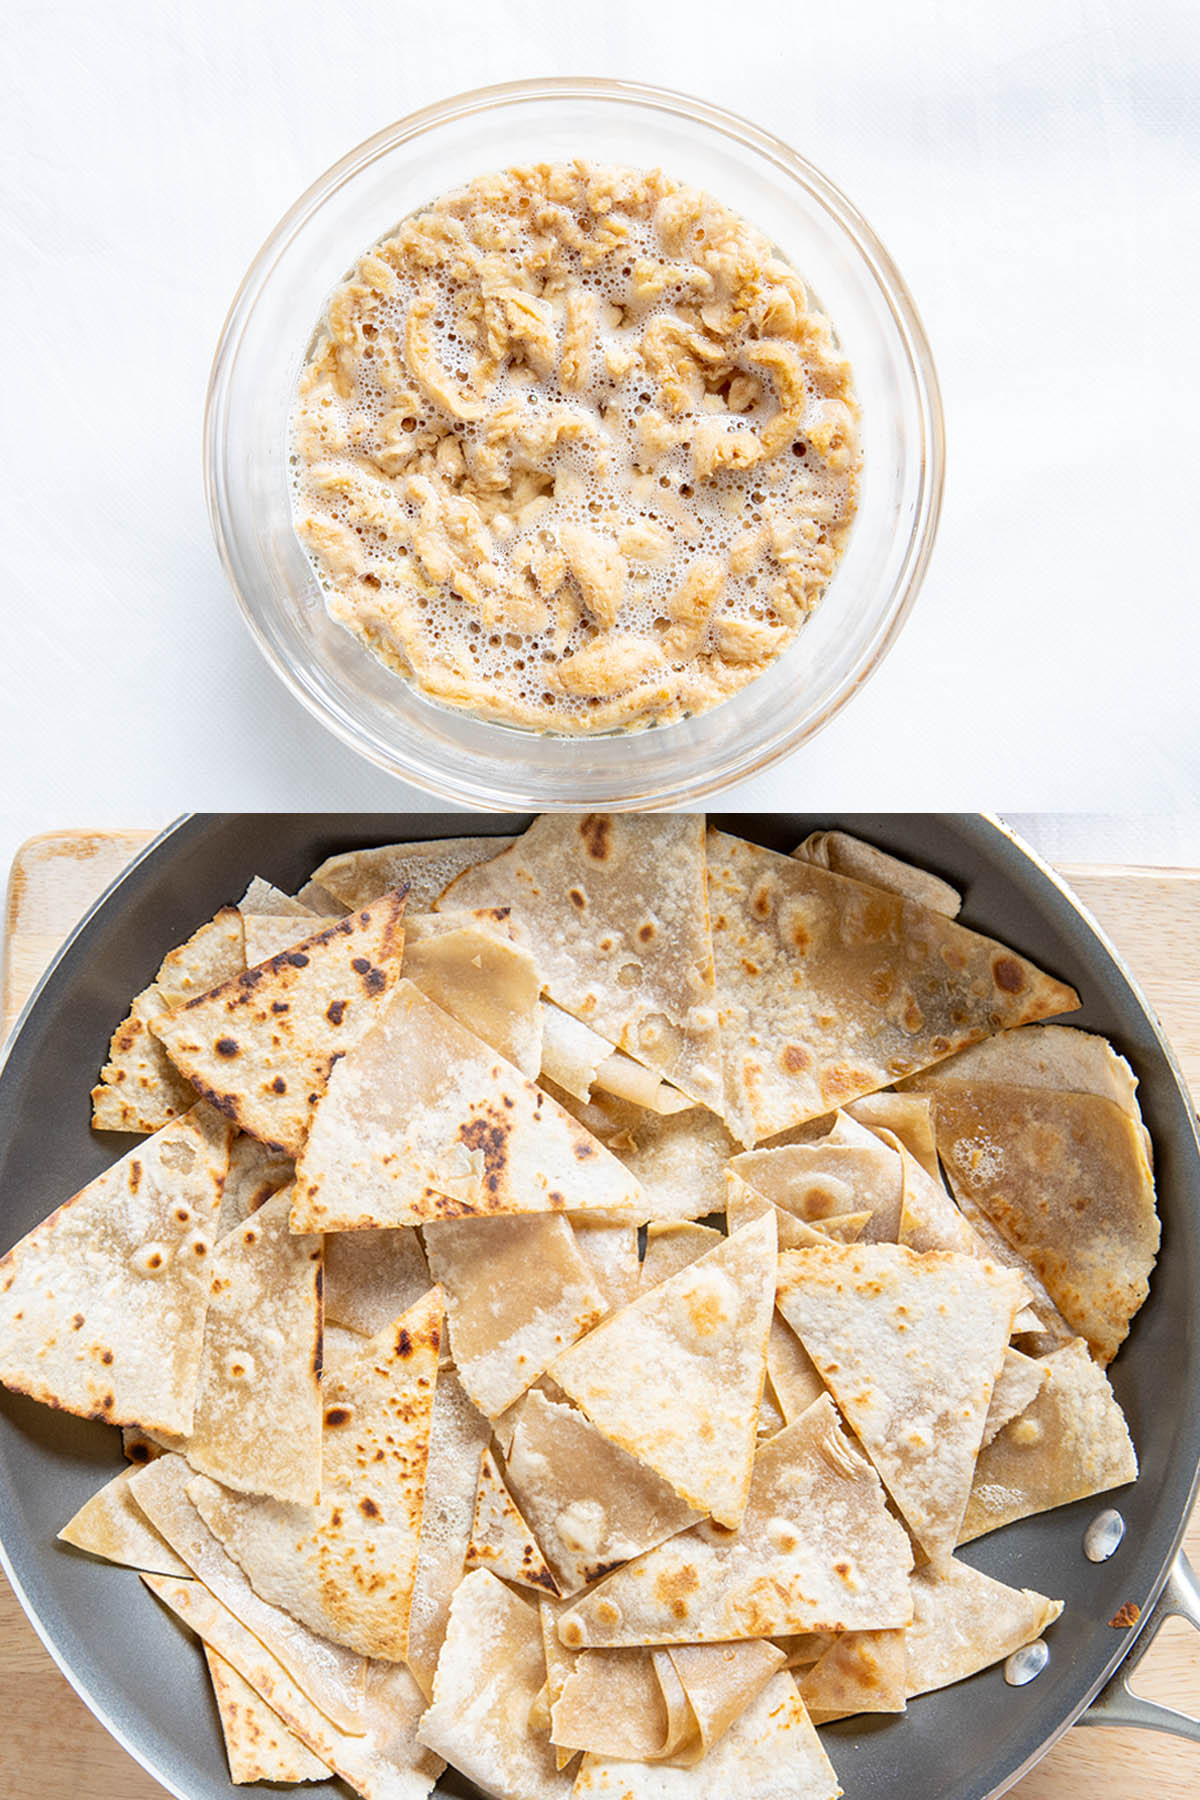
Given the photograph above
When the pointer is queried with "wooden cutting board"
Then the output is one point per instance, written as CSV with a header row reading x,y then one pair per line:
x,y
52,1746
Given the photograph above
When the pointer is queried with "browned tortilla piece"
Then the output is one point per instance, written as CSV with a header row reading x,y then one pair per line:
x,y
261,1046
611,1703
847,1171
111,1524
611,1253
346,1567
720,1682
258,1745
424,1121
257,1424
489,986
1018,1384
771,1752
862,1671
615,909
263,900
917,1398
672,1245
140,1089
676,1377
500,1539
831,989
679,1160
267,934
929,1219
102,1305
908,1117
489,1673
382,1762
333,1678
817,1550
743,1204
255,1173
359,876
373,1276
847,855
457,1438
1069,1443
1063,1174
589,1504
517,1293
964,1621
790,1367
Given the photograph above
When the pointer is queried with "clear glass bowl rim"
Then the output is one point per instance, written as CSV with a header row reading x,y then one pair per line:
x,y
931,448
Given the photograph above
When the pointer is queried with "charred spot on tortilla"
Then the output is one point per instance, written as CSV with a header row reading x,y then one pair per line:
x,y
226,1046
596,831
335,1011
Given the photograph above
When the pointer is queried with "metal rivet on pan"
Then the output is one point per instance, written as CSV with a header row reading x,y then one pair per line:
x,y
1103,1535
1025,1663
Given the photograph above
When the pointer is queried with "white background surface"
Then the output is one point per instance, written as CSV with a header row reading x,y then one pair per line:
x,y
1033,166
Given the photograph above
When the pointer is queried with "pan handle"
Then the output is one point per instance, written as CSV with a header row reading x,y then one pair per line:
x,y
1116,1704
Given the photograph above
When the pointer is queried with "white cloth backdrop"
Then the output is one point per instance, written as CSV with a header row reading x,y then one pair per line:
x,y
1032,165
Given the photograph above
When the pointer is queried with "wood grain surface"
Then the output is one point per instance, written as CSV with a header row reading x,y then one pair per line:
x,y
51,1745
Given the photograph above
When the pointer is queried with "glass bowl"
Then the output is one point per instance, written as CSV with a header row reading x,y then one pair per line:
x,y
264,343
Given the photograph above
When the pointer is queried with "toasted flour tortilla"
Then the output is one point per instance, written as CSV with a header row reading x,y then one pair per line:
x,y
425,1121
383,1763
1018,1384
457,1438
255,1173
908,1116
790,1368
885,987
267,934
1070,1442
359,876
112,1525
615,909
1062,1171
917,1401
744,1204
720,1682
673,1245
611,1703
862,1671
517,1293
847,1171
676,1377
140,1089
346,1567
489,1673
846,855
588,1503
258,1745
500,1539
490,987
964,1621
579,1059
102,1305
817,1550
260,1046
372,1277
679,1159
611,1253
772,1752
262,1361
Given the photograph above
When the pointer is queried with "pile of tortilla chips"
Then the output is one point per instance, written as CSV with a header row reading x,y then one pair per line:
x,y
446,1459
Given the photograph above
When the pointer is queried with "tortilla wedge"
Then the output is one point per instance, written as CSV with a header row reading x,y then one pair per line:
x,y
112,1525
615,909
258,1745
862,1671
846,855
424,1121
964,1621
917,1401
491,987
457,1437
260,1046
831,989
102,1305
676,1377
500,1539
358,877
372,1277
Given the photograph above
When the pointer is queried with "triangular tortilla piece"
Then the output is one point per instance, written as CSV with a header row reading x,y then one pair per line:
x,y
423,1120
790,1367
673,1245
846,855
559,1664
917,1400
257,1423
260,1047
359,876
258,1745
831,989
140,1089
772,1752
1063,1173
615,909
268,935
500,1539
1040,1325
744,1204
517,1293
1018,1384
373,1276
675,1379
817,1551
611,1253
112,1525
720,1682
908,1116
346,1568
678,1160
1070,1443
457,1438
102,1305
578,1059
263,900
589,1504
964,1621
255,1173
847,1171
490,987
612,1704
489,1673
384,1762
861,1672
